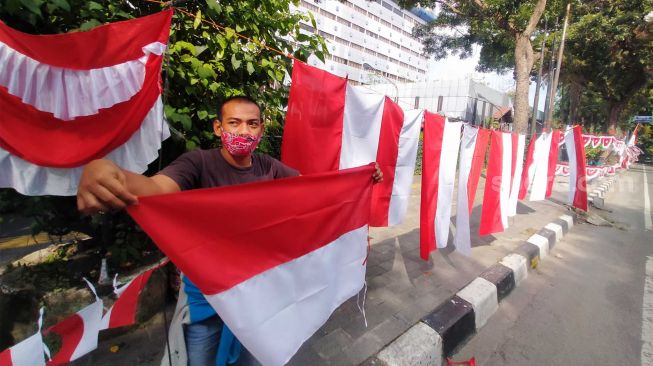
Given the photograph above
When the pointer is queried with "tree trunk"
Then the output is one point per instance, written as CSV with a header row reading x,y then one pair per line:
x,y
614,108
574,102
523,66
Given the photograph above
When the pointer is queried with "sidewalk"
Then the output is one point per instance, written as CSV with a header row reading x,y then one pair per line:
x,y
402,288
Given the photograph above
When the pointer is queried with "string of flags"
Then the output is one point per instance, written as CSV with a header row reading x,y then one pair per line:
x,y
313,244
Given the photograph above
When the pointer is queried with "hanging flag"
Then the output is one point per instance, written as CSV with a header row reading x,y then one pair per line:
x,y
577,177
472,156
98,98
331,125
494,213
519,142
123,311
78,332
606,141
587,139
541,162
529,170
553,160
29,352
283,258
439,157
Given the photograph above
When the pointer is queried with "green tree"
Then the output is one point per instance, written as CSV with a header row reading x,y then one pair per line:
x,y
204,66
502,28
608,57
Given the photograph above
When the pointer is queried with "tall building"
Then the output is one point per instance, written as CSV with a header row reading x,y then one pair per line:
x,y
368,41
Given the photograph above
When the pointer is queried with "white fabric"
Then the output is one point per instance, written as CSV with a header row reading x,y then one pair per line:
x,y
573,166
92,318
361,127
447,175
462,239
516,179
28,352
274,312
134,155
69,93
174,352
541,162
405,168
506,170
531,167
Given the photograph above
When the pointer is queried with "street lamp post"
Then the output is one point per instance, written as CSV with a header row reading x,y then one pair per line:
x,y
367,66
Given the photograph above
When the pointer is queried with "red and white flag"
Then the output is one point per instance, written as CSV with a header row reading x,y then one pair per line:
x,y
556,141
529,169
577,173
273,258
78,332
331,125
541,166
472,156
123,311
440,154
29,352
518,144
67,99
494,213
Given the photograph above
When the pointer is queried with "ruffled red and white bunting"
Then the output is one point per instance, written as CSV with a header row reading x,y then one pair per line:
x,y
439,157
529,169
100,98
331,125
472,156
577,178
279,235
556,141
494,212
519,142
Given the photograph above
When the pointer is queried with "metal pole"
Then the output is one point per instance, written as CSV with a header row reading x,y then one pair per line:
x,y
536,100
560,50
548,104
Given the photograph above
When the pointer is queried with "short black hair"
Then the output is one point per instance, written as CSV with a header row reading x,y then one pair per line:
x,y
242,98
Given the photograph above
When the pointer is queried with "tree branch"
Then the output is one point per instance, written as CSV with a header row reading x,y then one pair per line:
x,y
535,17
451,7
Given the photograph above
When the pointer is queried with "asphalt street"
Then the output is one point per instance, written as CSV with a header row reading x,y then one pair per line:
x,y
591,301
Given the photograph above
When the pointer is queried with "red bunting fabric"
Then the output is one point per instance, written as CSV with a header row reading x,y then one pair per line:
x,y
98,98
440,152
493,215
78,332
577,178
529,169
553,160
279,262
30,351
331,125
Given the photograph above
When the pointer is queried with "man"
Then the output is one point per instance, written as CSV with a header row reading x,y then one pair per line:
x,y
104,187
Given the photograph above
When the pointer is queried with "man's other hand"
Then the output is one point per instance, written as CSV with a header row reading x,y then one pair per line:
x,y
103,188
378,174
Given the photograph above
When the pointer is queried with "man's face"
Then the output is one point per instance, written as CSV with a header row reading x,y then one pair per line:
x,y
239,117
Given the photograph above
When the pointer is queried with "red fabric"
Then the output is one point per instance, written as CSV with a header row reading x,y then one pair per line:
x,y
312,134
44,140
491,209
470,362
106,45
477,164
515,141
431,151
523,188
268,223
123,311
605,141
580,196
553,160
5,358
70,330
386,157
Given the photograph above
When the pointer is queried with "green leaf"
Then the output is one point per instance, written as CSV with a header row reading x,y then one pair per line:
x,y
33,6
92,5
235,63
190,145
198,19
239,28
250,68
214,5
63,4
185,121
89,25
229,32
202,114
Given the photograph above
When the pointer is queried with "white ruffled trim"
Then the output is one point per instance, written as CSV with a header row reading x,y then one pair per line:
x,y
69,93
134,155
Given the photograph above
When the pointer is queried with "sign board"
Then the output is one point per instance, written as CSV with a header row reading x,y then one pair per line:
x,y
643,119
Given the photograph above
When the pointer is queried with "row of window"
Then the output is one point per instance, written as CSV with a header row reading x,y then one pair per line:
x,y
359,66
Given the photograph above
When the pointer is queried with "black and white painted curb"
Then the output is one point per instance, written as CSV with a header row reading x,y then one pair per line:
x,y
597,196
454,321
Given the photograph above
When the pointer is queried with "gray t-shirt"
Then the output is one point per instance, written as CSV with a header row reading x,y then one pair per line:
x,y
208,168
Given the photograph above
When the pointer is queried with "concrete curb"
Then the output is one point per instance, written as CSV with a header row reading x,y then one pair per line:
x,y
458,318
454,321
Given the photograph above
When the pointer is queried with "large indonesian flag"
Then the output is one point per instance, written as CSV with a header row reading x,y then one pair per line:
x,y
577,173
332,125
494,212
273,258
67,99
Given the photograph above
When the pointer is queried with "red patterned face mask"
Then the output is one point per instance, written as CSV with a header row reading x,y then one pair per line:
x,y
239,145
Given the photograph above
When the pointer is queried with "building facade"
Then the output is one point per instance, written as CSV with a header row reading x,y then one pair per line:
x,y
368,41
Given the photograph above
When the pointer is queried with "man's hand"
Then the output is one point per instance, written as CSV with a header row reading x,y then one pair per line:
x,y
378,174
103,187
